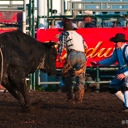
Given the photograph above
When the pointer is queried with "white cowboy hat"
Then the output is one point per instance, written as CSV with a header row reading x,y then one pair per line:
x,y
67,13
88,12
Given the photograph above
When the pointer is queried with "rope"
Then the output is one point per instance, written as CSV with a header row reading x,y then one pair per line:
x,y
1,75
41,65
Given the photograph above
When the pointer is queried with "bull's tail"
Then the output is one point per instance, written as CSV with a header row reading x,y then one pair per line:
x,y
2,61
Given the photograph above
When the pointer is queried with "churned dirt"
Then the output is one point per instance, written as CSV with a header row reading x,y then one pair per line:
x,y
98,110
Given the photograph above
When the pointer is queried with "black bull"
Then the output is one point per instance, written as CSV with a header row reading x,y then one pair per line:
x,y
21,55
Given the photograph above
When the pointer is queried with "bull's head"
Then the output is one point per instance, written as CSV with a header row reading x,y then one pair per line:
x,y
50,59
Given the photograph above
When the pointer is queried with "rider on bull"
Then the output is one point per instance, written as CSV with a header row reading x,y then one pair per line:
x,y
73,74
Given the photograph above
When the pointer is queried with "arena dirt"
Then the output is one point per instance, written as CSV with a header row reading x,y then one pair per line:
x,y
98,110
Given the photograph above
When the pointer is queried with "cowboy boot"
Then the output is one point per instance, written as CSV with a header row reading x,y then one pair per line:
x,y
68,88
70,95
79,94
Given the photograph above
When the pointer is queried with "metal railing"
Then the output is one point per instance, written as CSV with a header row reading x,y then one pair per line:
x,y
9,5
100,77
98,6
13,6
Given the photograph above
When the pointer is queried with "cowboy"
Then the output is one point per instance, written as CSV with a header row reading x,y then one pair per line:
x,y
74,69
119,85
88,19
64,19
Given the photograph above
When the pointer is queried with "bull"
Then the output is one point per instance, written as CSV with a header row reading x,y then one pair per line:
x,y
21,55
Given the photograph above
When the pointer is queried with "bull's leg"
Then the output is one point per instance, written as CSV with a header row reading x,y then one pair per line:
x,y
7,83
21,86
16,95
17,78
25,93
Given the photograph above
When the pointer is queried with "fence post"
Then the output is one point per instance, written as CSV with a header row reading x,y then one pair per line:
x,y
97,79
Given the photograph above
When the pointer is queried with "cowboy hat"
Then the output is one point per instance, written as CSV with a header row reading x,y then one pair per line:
x,y
67,15
67,25
119,37
88,13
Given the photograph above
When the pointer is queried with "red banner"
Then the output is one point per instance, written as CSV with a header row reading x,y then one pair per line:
x,y
10,17
97,40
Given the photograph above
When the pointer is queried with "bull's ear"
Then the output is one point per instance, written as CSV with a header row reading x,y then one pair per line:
x,y
51,44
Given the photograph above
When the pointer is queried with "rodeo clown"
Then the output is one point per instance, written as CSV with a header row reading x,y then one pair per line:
x,y
119,85
73,74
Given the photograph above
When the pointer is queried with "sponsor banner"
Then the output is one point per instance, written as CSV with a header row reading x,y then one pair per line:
x,y
10,17
97,40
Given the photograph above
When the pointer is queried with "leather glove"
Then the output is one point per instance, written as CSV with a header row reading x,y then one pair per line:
x,y
94,63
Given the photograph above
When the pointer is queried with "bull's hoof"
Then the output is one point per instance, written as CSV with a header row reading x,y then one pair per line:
x,y
37,104
26,109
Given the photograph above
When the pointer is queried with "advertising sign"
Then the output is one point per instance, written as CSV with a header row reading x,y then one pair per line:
x,y
10,17
97,39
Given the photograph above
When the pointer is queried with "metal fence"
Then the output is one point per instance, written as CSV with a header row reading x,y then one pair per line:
x,y
103,75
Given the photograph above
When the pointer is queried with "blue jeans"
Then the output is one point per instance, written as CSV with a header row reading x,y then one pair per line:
x,y
116,83
77,60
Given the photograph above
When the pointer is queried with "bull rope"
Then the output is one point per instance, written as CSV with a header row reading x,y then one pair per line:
x,y
1,73
41,65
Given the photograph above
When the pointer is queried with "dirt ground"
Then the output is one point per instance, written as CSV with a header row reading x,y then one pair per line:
x,y
98,110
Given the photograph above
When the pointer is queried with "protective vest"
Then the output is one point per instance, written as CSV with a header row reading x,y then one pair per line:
x,y
75,41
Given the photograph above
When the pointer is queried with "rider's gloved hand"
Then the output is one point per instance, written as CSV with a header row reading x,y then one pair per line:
x,y
94,63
